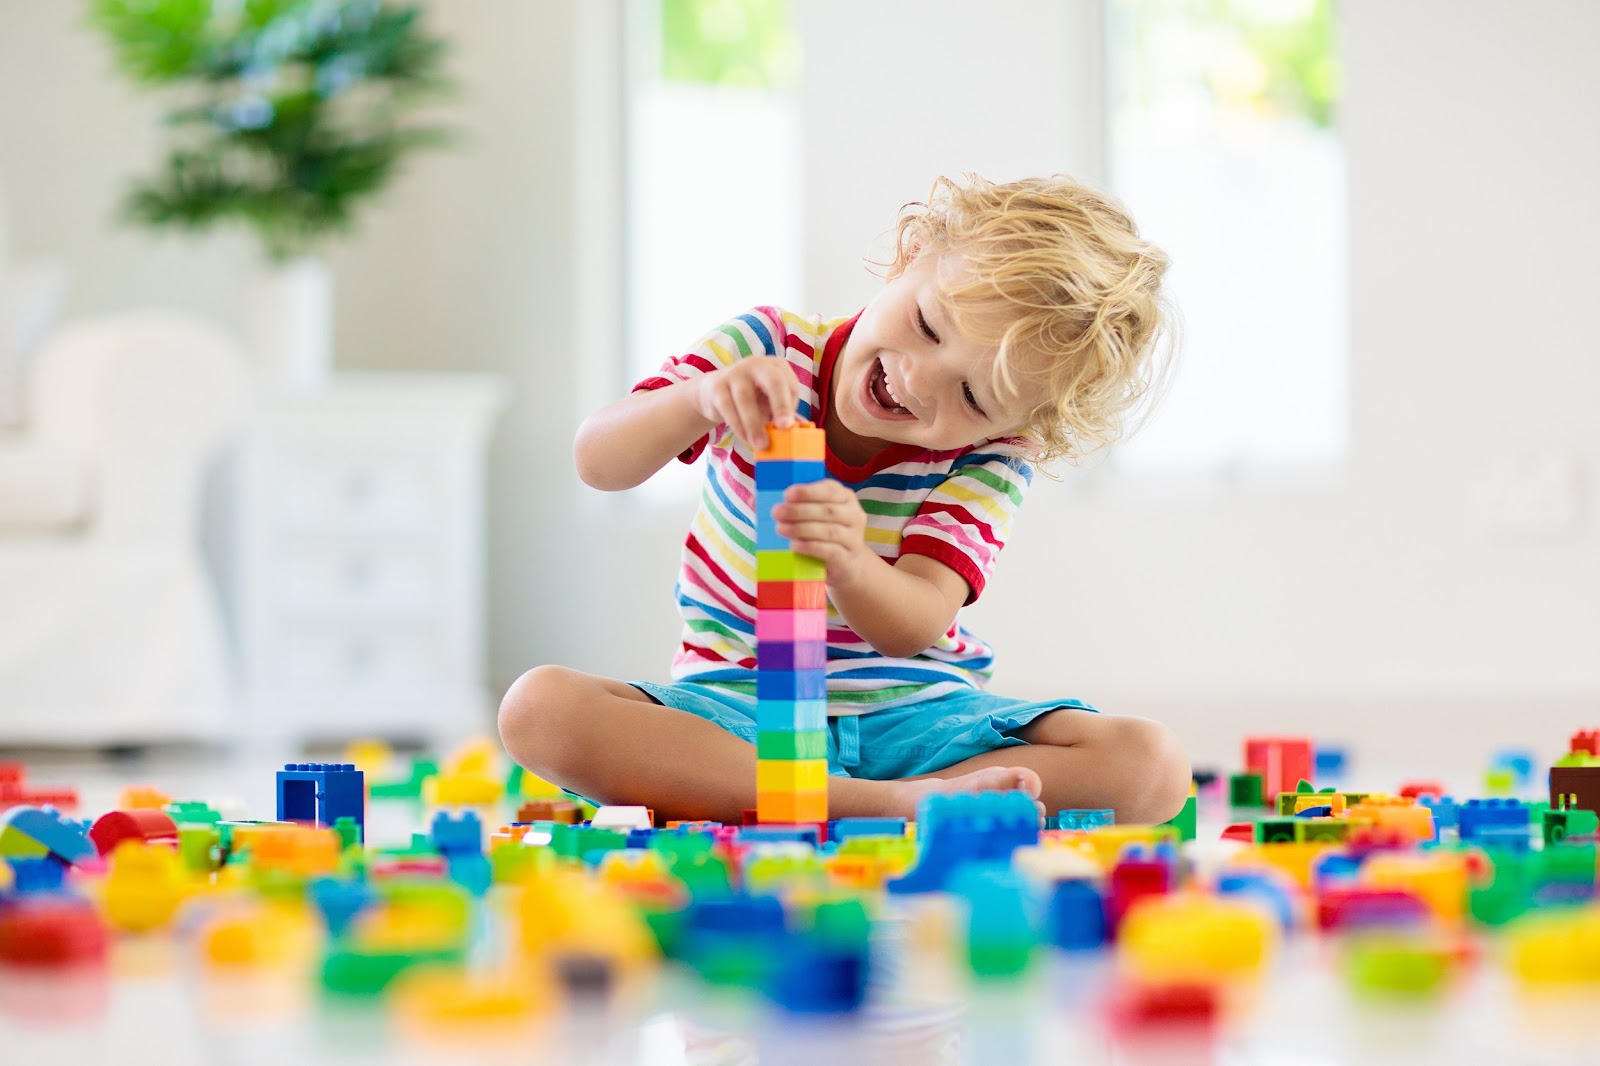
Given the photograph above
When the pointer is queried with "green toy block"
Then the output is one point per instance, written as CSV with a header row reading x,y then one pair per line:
x,y
843,924
705,876
192,812
1395,966
1336,829
511,863
1184,821
349,832
784,744
198,846
1278,830
1559,825
1245,790
408,789
788,566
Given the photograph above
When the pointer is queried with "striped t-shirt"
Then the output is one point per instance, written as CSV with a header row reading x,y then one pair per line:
x,y
953,506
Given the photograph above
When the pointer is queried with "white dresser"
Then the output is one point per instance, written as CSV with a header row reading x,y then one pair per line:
x,y
359,558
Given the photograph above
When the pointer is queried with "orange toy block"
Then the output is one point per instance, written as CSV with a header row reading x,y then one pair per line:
x,y
803,440
792,808
1414,823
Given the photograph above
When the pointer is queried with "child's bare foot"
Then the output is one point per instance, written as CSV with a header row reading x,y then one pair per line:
x,y
909,793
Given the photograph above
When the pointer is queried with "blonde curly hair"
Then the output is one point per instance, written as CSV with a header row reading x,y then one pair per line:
x,y
1059,282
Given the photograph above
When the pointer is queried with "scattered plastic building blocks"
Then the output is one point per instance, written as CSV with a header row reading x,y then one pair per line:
x,y
322,793
146,824
38,831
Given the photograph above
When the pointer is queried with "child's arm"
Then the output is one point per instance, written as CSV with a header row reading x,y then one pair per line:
x,y
624,443
899,608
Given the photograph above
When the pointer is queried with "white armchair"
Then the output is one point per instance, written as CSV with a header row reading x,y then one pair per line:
x,y
110,632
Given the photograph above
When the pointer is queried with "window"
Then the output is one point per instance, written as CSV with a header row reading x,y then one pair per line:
x,y
713,177
1223,145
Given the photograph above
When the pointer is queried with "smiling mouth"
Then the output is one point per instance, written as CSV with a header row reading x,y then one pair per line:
x,y
882,395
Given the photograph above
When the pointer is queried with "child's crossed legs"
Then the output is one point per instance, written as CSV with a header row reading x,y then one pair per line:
x,y
608,740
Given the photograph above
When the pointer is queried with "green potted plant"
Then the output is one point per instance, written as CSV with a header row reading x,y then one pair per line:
x,y
287,117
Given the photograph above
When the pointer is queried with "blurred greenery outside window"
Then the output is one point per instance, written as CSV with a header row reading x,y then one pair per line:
x,y
1224,144
713,177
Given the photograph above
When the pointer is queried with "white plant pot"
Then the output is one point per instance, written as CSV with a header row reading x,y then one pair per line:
x,y
291,322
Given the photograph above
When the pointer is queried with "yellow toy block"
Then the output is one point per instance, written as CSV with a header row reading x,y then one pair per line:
x,y
447,1003
803,440
564,913
144,887
462,790
1438,878
1191,938
792,808
1109,841
369,755
1556,947
1295,858
260,934
478,756
792,775
1306,800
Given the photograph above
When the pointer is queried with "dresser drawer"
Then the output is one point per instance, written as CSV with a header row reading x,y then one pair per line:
x,y
361,578
342,490
360,657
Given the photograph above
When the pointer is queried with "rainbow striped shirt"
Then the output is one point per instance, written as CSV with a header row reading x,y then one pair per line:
x,y
956,507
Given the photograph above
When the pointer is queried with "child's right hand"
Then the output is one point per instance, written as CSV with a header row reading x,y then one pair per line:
x,y
748,395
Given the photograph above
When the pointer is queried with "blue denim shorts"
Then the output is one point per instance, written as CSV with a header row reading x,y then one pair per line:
x,y
885,744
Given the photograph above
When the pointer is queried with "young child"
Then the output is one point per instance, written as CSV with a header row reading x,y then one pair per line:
x,y
1018,324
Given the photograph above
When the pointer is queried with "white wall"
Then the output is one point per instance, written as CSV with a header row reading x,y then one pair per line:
x,y
1375,605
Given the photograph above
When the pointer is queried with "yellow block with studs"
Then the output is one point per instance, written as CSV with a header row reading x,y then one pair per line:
x,y
792,775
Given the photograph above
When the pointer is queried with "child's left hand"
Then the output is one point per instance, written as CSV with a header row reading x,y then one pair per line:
x,y
825,520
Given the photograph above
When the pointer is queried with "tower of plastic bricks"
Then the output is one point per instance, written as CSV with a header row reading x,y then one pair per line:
x,y
791,643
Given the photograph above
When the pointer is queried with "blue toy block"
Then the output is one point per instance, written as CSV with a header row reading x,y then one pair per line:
x,y
1334,868
1503,837
748,917
768,834
1085,818
1076,918
767,537
1315,812
42,875
792,656
456,834
791,716
321,793
845,828
1000,929
63,837
795,685
811,979
1329,762
340,901
1475,815
1519,761
961,828
1268,891
470,870
779,474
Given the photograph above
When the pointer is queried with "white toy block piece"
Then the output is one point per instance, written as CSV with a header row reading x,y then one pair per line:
x,y
621,818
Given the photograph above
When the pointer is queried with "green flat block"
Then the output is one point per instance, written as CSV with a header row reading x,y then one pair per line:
x,y
788,566
1323,829
1278,830
1184,822
806,744
1388,967
1245,790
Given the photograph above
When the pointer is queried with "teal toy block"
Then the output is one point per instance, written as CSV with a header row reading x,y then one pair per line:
x,y
791,716
1085,818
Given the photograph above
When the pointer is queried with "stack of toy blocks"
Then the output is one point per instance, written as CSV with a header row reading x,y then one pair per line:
x,y
791,642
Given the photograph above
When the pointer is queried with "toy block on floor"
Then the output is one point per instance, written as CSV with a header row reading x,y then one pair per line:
x,y
1575,788
961,828
34,832
322,793
1282,762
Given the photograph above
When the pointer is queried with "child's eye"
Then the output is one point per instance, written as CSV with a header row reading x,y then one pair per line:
x,y
966,390
927,330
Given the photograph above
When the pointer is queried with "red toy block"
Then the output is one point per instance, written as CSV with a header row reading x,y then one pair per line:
x,y
792,595
1586,740
1282,762
1347,908
1243,832
1413,789
146,824
1132,880
749,816
1135,1010
51,932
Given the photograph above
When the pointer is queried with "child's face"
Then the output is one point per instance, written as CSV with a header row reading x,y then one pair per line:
x,y
907,376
